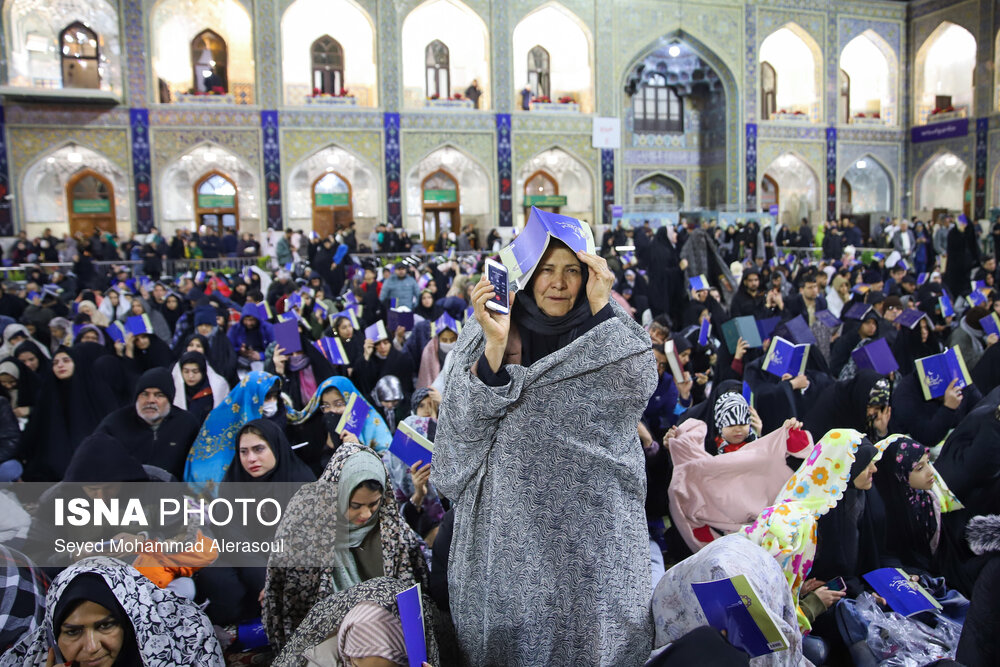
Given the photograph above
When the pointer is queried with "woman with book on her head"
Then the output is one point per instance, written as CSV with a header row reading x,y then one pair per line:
x,y
569,365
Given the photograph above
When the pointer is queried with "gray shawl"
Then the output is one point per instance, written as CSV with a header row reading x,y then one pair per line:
x,y
549,562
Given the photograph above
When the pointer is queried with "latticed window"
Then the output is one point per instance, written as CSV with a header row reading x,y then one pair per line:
x,y
657,107
210,61
327,65
80,56
438,75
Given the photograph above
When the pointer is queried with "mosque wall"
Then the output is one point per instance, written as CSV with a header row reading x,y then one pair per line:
x,y
714,146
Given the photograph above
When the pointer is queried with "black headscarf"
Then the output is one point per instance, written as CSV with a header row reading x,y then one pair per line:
x,y
848,536
287,466
914,522
71,411
846,404
31,346
103,458
118,376
93,588
157,355
907,347
430,314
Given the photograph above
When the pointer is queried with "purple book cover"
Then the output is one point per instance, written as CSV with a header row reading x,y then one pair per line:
x,y
733,605
116,330
286,335
938,370
376,332
521,255
798,331
138,324
411,616
857,311
827,319
446,321
349,314
991,324
706,325
905,597
341,253
354,417
877,356
910,317
766,326
947,310
400,318
409,446
785,357
332,348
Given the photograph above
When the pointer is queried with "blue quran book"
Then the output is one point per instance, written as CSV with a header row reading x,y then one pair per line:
x,y
521,255
786,357
400,317
741,327
320,311
34,295
332,348
703,332
446,321
733,605
349,314
377,332
827,319
286,335
797,331
116,330
354,417
293,300
991,324
857,311
922,278
341,253
938,370
910,317
698,283
905,597
947,310
409,446
424,280
350,299
139,324
411,616
976,298
980,285
766,326
264,313
470,312
877,356
747,394
289,316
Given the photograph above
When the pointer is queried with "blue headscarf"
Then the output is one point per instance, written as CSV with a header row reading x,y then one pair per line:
x,y
215,445
375,433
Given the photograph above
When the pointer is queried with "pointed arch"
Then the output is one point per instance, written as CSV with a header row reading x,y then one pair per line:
x,y
177,198
940,182
799,186
474,182
871,183
659,188
570,44
943,72
363,177
574,177
454,23
873,66
798,62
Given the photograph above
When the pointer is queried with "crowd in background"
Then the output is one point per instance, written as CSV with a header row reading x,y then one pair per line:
x,y
737,461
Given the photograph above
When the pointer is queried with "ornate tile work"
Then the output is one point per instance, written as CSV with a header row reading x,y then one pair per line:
x,y
27,144
850,27
267,39
812,152
170,144
551,122
141,170
45,115
607,183
135,51
610,95
963,147
501,32
180,115
636,175
528,145
297,145
982,131
6,213
635,156
416,146
831,173
890,156
923,23
751,170
272,168
871,134
348,120
389,20
806,131
504,175
442,120
750,86
393,190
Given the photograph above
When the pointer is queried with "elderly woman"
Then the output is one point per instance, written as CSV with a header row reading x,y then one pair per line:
x,y
103,612
575,369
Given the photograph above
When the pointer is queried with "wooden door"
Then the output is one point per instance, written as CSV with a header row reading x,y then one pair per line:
x,y
332,202
90,199
542,191
216,203
441,205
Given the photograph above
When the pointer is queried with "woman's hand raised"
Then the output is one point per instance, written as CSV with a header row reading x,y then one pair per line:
x,y
496,326
599,283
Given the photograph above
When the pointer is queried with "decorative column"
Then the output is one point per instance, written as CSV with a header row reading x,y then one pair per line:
x,y
504,169
272,169
141,170
393,191
607,183
982,134
831,173
751,173
6,214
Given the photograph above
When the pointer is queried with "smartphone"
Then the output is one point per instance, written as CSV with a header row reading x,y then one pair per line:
x,y
836,584
496,273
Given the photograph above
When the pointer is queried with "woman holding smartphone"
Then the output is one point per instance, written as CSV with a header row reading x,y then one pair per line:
x,y
537,445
